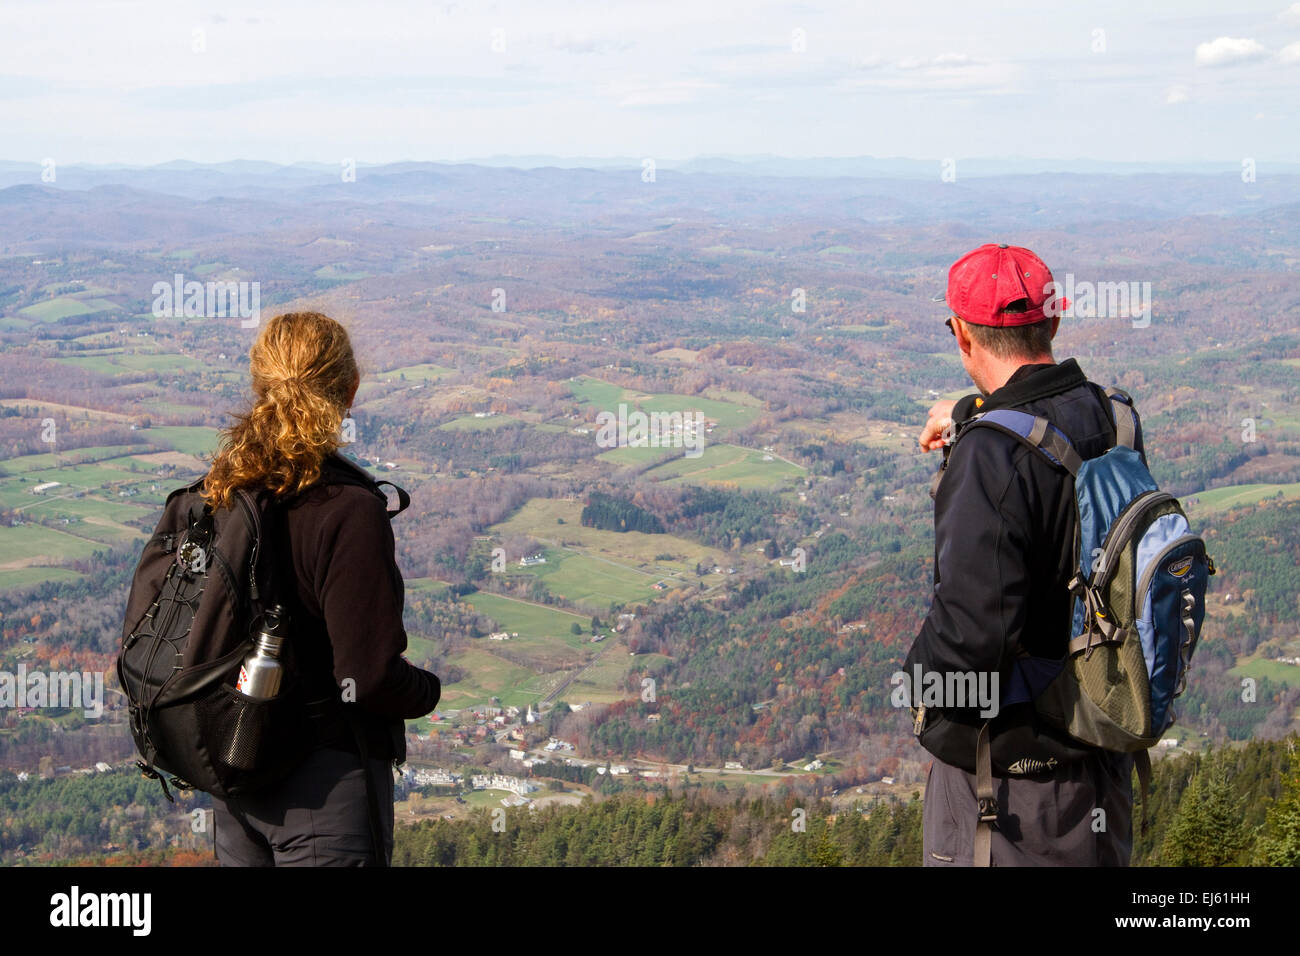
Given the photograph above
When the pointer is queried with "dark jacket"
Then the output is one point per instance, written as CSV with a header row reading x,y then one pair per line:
x,y
347,606
1004,522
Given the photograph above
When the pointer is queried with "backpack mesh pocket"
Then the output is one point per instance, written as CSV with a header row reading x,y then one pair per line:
x,y
252,739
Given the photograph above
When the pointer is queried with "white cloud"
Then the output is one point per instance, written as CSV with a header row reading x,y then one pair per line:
x,y
1291,14
586,43
644,92
1176,94
1228,50
942,61
1291,52
944,73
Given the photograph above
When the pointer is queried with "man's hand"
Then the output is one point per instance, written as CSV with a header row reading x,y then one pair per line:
x,y
940,418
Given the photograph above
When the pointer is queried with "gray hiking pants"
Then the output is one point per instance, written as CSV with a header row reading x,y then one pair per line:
x,y
317,816
1045,820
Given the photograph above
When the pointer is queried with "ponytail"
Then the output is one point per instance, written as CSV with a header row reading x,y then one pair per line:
x,y
303,373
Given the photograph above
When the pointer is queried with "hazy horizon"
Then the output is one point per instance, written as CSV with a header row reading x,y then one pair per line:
x,y
145,82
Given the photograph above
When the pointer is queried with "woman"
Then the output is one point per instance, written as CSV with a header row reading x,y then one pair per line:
x,y
344,595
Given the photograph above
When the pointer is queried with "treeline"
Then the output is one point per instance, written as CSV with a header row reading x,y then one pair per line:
x,y
615,514
660,830
76,815
727,519
1234,806
508,447
1237,805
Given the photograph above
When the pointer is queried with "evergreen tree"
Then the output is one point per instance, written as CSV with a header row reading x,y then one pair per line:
x,y
1207,828
1279,840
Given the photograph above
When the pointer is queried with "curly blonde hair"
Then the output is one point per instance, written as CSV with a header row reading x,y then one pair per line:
x,y
303,374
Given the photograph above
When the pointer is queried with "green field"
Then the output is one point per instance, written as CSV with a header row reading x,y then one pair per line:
x,y
85,476
469,422
1275,671
605,396
38,544
487,798
117,362
593,581
416,373
1234,496
593,567
117,510
32,463
191,439
435,589
29,577
602,683
881,326
640,454
733,397
99,520
728,464
339,272
532,620
54,309
492,676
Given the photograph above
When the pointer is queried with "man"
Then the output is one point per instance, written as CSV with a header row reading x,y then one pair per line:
x,y
1004,553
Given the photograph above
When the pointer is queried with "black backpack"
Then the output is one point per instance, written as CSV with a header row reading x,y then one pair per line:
x,y
204,582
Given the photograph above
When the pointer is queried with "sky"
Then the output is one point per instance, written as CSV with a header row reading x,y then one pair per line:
x,y
375,81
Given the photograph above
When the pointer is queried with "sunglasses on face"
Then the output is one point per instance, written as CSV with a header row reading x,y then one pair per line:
x,y
948,322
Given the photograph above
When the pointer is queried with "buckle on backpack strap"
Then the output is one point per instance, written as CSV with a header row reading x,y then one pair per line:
x,y
988,809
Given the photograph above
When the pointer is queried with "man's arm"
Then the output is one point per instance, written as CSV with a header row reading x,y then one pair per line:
x,y
360,592
982,562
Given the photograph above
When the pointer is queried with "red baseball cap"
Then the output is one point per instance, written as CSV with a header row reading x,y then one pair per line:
x,y
983,282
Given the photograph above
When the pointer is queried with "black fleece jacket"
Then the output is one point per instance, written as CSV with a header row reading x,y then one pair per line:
x,y
1004,529
348,609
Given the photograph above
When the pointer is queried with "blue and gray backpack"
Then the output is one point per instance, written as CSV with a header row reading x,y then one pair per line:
x,y
1139,592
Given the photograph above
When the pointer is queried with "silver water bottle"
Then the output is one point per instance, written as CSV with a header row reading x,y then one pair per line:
x,y
260,674
259,677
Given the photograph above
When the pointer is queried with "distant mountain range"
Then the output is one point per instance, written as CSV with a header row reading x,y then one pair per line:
x,y
183,177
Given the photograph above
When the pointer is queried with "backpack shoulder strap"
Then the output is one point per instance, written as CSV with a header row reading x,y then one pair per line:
x,y
337,470
1035,431
1126,426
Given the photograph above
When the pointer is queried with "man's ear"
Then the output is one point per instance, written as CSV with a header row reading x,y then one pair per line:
x,y
1056,324
963,339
